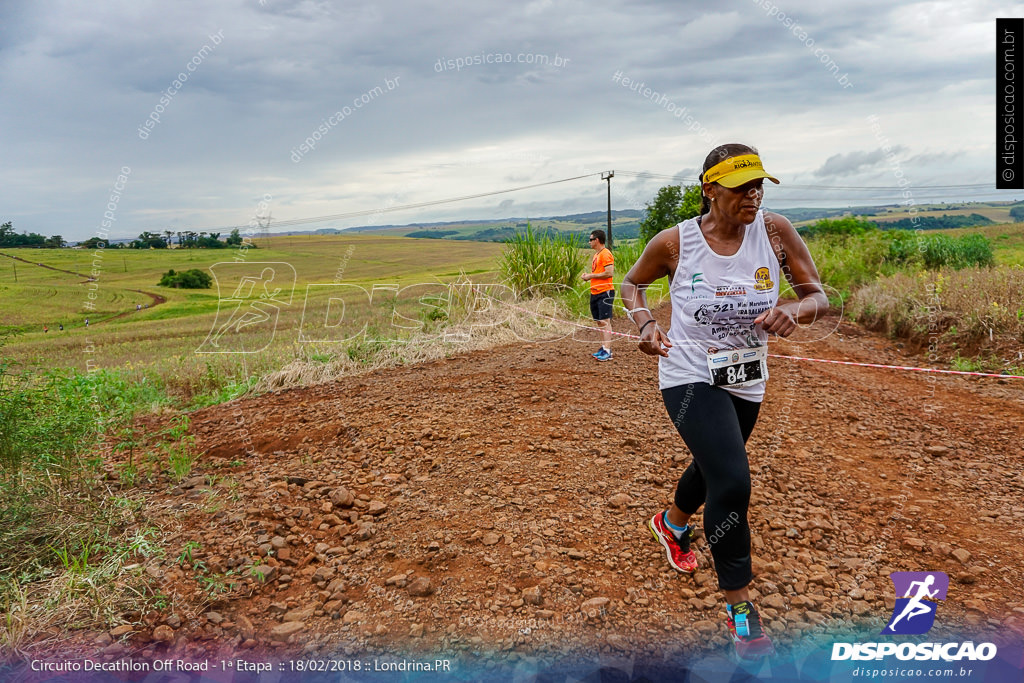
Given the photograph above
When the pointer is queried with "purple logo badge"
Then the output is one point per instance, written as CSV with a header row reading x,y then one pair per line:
x,y
913,614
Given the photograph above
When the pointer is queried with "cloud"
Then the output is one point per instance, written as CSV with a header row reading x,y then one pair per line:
x,y
688,175
935,158
711,29
86,76
851,163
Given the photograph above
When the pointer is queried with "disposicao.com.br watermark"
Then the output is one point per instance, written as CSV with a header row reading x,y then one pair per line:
x,y
310,143
177,84
532,58
773,10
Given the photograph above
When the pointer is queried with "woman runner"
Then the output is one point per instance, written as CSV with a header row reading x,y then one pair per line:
x,y
723,271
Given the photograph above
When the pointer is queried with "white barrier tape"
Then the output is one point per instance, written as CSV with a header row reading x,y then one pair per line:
x,y
775,355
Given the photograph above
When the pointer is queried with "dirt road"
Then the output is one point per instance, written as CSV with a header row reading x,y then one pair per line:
x,y
497,501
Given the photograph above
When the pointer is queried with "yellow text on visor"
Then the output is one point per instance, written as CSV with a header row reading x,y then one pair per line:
x,y
736,171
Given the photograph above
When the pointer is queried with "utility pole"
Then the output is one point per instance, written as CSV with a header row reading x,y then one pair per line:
x,y
608,175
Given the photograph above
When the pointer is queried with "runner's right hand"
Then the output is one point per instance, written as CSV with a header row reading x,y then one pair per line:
x,y
654,342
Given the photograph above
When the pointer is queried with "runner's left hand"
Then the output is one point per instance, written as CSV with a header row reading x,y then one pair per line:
x,y
776,321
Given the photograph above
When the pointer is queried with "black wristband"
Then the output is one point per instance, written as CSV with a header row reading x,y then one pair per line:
x,y
645,325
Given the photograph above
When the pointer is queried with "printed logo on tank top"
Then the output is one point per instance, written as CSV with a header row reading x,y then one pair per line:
x,y
727,311
763,280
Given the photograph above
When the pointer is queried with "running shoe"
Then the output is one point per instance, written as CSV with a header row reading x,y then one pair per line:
x,y
600,352
678,552
747,633
605,355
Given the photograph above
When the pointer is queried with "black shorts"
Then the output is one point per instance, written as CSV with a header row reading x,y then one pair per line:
x,y
601,305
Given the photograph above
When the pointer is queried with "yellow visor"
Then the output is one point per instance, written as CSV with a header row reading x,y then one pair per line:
x,y
736,171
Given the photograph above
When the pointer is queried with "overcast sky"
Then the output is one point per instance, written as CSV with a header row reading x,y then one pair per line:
x,y
394,122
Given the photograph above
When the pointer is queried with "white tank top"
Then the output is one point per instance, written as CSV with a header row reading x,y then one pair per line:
x,y
715,300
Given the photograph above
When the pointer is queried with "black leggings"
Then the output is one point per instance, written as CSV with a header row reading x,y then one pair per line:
x,y
715,426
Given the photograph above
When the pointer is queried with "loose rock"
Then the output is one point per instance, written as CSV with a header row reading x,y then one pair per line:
x,y
420,587
163,634
289,628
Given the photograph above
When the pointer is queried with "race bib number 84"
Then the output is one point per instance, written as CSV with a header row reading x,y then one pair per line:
x,y
738,367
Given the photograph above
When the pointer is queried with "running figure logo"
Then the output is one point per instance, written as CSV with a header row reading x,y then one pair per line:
x,y
913,614
247,318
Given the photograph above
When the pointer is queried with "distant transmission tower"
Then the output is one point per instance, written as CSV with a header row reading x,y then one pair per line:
x,y
264,227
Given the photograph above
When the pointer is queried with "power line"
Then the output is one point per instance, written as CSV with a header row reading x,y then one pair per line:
x,y
885,193
661,176
418,205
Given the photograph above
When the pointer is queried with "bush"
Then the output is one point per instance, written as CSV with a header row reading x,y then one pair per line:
x,y
14,415
847,261
541,265
938,251
50,419
977,249
52,423
956,252
903,247
848,225
189,279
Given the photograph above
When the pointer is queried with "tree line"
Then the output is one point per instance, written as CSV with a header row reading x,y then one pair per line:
x,y
186,239
148,240
9,238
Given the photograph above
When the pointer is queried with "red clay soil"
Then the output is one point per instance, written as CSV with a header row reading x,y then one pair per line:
x,y
496,502
157,300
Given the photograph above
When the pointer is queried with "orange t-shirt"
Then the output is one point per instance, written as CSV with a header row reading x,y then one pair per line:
x,y
601,260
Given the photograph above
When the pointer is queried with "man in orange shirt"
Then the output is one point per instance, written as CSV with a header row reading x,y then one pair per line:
x,y
602,291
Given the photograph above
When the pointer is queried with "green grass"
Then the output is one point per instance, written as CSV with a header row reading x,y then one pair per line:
x,y
627,253
469,229
66,534
372,258
59,526
164,338
59,302
1000,214
1007,241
